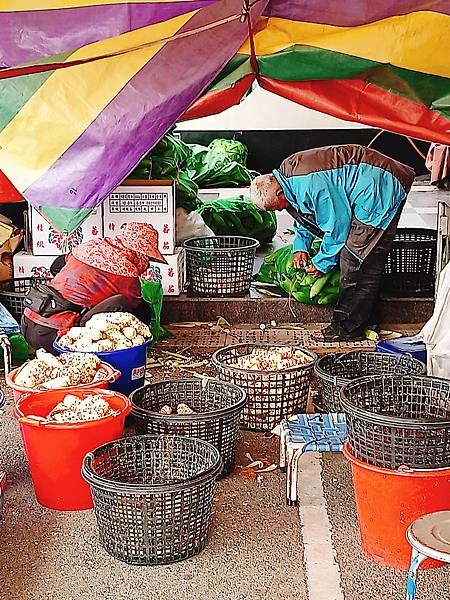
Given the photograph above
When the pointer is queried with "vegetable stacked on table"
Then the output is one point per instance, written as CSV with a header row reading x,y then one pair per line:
x,y
239,216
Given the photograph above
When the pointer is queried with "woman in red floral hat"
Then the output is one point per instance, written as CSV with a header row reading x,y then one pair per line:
x,y
101,275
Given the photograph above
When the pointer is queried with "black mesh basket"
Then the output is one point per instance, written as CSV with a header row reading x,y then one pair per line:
x,y
271,395
396,421
153,496
220,266
217,406
13,292
410,268
335,370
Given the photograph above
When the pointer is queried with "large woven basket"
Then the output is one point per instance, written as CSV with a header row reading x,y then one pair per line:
x,y
220,266
217,407
271,395
396,421
336,369
153,496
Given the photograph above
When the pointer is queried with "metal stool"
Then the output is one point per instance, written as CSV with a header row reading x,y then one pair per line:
x,y
429,537
315,432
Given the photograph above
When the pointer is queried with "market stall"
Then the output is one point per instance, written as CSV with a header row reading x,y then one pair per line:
x,y
114,162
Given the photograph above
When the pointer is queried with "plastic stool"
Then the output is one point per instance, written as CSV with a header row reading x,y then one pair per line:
x,y
315,432
429,537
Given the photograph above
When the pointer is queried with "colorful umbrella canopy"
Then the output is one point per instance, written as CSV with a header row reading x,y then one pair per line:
x,y
88,88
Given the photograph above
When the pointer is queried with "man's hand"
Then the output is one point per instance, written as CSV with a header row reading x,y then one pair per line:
x,y
299,260
312,270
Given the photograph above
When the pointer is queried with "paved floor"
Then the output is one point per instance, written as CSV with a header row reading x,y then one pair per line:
x,y
361,578
256,547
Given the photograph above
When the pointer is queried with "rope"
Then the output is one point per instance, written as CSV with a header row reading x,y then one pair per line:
x,y
416,148
419,152
246,16
18,71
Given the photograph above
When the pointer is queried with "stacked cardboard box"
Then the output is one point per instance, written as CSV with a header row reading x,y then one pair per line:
x,y
143,201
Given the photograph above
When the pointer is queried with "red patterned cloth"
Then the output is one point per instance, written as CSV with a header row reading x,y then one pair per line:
x,y
126,255
87,286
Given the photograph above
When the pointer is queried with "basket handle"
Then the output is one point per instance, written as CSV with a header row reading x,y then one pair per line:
x,y
338,360
87,462
27,419
6,347
404,469
114,376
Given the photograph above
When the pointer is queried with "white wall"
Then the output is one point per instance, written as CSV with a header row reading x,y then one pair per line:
x,y
263,110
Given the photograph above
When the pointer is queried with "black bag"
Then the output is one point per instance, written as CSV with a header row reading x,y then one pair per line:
x,y
45,301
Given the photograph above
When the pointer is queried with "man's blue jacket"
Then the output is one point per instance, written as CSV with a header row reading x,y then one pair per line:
x,y
336,184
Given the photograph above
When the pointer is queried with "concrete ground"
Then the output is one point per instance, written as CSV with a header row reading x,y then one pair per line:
x,y
259,548
255,548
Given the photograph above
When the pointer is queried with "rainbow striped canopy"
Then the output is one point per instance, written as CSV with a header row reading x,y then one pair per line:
x,y
88,88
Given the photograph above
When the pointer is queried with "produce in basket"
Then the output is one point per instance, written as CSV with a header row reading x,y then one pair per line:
x,y
239,216
277,268
182,409
50,372
105,332
272,359
74,409
221,283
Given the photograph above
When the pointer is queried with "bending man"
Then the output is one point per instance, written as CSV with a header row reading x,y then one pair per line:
x,y
352,197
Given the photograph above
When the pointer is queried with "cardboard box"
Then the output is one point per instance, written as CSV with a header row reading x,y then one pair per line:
x,y
29,265
143,201
47,241
172,275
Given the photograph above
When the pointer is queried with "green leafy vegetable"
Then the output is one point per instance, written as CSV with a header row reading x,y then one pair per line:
x,y
278,269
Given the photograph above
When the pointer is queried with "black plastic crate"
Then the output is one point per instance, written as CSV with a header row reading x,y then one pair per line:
x,y
13,292
410,268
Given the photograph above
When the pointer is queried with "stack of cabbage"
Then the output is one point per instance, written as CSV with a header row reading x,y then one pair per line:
x,y
278,269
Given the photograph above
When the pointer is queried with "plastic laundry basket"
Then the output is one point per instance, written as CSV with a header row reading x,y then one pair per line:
x,y
395,421
271,395
153,496
335,370
55,451
217,407
131,362
221,265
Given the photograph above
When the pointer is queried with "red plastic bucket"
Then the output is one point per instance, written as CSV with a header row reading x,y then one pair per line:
x,y
55,452
388,501
111,375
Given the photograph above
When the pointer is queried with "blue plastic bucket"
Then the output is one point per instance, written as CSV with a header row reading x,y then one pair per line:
x,y
409,345
130,362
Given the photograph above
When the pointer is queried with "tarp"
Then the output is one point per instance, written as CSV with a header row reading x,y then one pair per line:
x,y
436,333
88,88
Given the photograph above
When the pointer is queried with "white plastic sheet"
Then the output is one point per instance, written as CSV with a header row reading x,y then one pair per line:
x,y
436,332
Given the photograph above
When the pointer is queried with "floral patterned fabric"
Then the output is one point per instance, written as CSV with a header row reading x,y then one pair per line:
x,y
126,255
